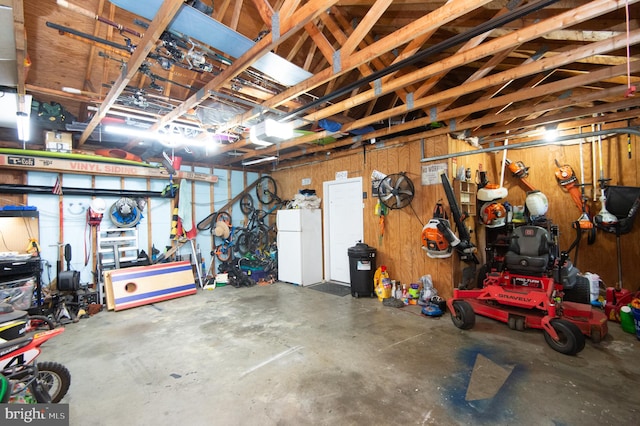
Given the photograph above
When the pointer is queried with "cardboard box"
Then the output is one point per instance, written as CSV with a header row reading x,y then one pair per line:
x,y
58,141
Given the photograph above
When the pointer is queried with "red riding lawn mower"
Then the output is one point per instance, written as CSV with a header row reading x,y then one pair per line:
x,y
532,289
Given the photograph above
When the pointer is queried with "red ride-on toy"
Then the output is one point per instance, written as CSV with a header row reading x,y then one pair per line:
x,y
532,291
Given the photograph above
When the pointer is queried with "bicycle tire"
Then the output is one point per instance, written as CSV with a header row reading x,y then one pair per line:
x,y
262,237
246,204
223,252
266,189
243,243
207,222
224,217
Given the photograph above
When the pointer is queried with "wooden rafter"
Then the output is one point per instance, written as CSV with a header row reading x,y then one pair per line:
x,y
165,14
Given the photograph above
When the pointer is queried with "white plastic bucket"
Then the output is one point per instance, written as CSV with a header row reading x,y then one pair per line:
x,y
594,285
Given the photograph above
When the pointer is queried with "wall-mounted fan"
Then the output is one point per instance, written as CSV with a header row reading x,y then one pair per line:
x,y
396,191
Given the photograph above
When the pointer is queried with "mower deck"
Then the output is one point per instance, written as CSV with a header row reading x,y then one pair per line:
x,y
591,323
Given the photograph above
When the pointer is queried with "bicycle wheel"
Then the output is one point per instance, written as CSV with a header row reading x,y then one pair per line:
x,y
262,237
206,223
243,243
246,204
224,217
266,189
223,252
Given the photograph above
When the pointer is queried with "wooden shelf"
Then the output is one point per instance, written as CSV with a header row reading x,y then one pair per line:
x,y
123,241
466,195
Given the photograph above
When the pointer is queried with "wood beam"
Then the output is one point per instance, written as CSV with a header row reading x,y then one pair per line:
x,y
373,14
164,16
591,10
22,61
426,24
445,115
264,10
288,27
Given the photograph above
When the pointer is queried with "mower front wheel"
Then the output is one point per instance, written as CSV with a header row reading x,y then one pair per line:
x,y
463,316
571,340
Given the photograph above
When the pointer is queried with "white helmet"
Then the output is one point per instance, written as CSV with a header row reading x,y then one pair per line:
x,y
537,203
98,205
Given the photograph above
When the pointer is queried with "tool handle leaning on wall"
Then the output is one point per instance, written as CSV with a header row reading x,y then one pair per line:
x,y
466,250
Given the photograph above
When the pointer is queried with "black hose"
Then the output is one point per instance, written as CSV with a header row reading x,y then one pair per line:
x,y
39,189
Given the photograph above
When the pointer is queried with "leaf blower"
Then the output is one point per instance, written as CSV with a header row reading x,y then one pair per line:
x,y
438,239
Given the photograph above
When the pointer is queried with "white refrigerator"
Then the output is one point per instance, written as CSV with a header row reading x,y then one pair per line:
x,y
300,246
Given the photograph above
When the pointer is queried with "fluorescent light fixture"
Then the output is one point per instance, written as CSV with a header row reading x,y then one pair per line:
x,y
128,131
259,160
170,139
24,128
551,134
269,132
72,90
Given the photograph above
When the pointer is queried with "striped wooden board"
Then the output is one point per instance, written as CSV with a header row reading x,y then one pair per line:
x,y
142,285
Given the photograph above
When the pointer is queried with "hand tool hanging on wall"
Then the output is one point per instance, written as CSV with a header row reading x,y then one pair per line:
x,y
584,222
603,216
520,171
567,179
629,141
465,248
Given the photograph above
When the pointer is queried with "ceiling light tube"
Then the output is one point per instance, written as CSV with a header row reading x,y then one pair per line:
x,y
259,160
23,125
128,131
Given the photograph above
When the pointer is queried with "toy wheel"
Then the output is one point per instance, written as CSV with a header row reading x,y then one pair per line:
x,y
571,339
55,378
463,316
520,324
40,322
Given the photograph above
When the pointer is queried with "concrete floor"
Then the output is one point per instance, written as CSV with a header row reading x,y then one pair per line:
x,y
288,355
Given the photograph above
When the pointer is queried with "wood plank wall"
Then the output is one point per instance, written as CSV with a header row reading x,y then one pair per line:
x,y
400,248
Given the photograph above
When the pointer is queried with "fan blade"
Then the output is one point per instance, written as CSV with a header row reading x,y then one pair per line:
x,y
398,201
386,197
385,183
399,182
406,192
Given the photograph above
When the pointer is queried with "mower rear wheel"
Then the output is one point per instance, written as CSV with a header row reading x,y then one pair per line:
x,y
571,340
463,316
580,293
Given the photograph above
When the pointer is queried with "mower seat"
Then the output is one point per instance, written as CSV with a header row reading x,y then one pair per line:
x,y
529,251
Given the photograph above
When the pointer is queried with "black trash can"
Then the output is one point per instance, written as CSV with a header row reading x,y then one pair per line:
x,y
362,267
